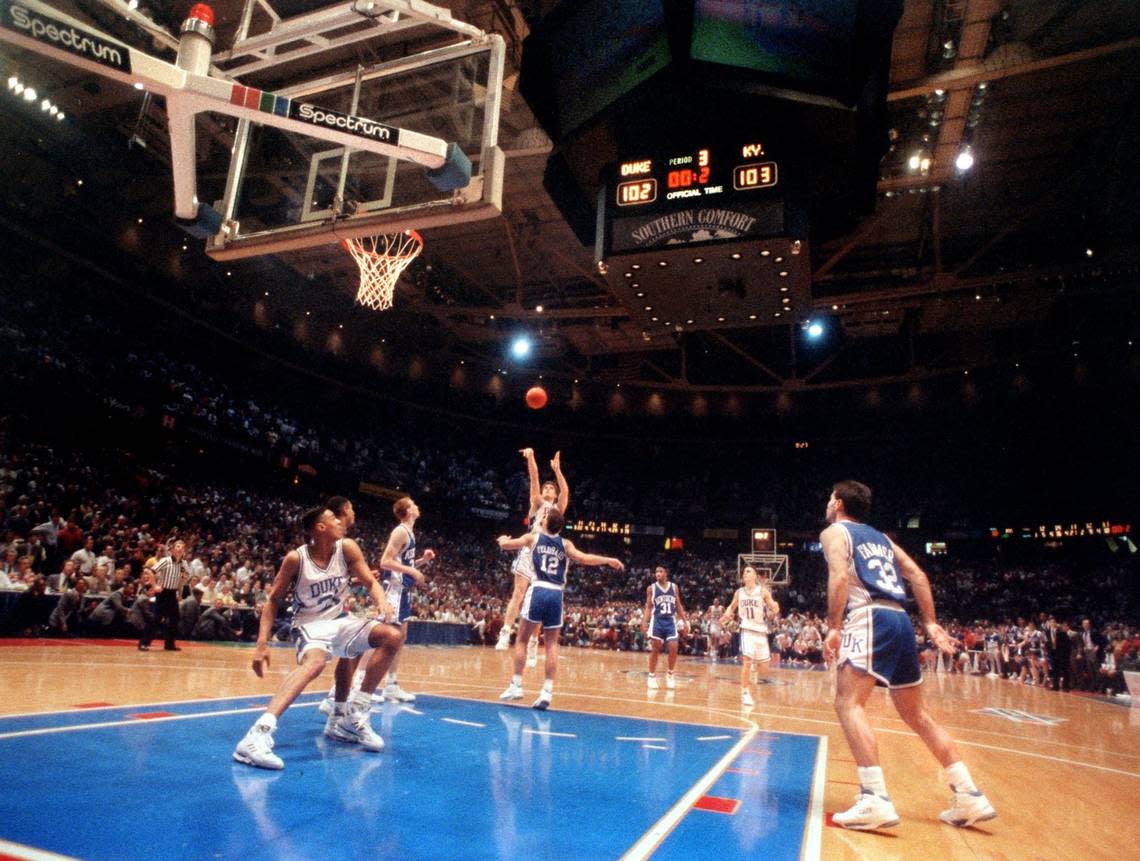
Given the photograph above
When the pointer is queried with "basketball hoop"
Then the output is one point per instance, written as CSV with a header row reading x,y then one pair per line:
x,y
381,260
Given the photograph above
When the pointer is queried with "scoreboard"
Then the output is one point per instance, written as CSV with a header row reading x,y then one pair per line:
x,y
711,192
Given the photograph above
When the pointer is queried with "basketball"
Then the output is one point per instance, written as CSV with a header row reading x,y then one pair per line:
x,y
536,397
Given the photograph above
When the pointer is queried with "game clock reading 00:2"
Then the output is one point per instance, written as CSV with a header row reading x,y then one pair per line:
x,y
701,173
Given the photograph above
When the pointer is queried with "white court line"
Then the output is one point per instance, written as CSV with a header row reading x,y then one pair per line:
x,y
1012,750
649,841
548,732
814,828
29,853
137,705
138,722
462,722
640,738
654,747
410,711
712,737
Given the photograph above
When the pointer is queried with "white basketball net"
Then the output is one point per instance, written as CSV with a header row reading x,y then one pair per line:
x,y
381,260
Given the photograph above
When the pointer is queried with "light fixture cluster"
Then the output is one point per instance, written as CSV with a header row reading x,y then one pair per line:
x,y
28,93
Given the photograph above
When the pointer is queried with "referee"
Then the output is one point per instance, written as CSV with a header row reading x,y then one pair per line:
x,y
171,572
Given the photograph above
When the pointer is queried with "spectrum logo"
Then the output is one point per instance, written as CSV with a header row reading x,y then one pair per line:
x,y
65,36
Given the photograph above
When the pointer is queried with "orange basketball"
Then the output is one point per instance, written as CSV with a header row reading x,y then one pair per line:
x,y
536,397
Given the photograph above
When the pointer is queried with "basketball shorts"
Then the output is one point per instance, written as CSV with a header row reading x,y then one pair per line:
x,y
543,605
343,637
754,645
664,628
523,566
880,641
400,598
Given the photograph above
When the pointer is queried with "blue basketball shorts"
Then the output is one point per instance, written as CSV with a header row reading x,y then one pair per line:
x,y
543,605
880,641
663,628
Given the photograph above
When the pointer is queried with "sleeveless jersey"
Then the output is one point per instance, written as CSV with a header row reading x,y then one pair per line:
x,y
534,525
549,558
871,573
407,557
753,610
664,601
319,593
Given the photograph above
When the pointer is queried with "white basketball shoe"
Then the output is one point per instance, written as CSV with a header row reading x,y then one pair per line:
x,y
513,692
968,808
869,812
354,727
256,749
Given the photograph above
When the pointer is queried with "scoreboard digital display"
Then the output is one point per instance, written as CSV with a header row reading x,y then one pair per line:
x,y
701,174
724,192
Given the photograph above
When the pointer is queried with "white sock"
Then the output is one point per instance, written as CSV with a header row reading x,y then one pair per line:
x,y
516,681
340,707
958,776
361,699
871,777
653,675
266,722
548,687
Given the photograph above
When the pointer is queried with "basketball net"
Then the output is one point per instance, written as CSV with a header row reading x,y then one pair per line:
x,y
381,260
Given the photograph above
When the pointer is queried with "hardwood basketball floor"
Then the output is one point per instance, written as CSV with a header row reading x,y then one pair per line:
x,y
1069,789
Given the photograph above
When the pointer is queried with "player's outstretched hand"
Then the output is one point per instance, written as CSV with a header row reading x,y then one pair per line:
x,y
429,555
260,659
503,539
616,564
941,639
831,645
528,453
556,461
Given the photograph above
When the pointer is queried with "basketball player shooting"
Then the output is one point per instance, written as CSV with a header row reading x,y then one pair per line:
x,y
543,498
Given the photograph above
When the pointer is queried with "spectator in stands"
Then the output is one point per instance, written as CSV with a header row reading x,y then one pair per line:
x,y
69,616
109,618
84,557
189,611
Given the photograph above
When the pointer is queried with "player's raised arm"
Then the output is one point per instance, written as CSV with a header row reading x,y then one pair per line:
x,y
282,583
508,543
563,487
532,474
591,559
390,561
358,568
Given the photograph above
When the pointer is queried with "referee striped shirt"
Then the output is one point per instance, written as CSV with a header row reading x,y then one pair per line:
x,y
171,574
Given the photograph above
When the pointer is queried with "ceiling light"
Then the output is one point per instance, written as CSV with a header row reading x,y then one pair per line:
x,y
720,319
783,273
914,161
648,307
13,82
635,266
735,255
965,160
1088,252
751,316
139,85
538,309
765,253
29,95
662,263
44,105
18,88
814,329
520,347
698,260
640,295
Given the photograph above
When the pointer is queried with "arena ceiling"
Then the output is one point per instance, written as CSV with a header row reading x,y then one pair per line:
x,y
1032,249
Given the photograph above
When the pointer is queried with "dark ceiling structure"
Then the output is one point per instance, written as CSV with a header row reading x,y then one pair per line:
x,y
1031,250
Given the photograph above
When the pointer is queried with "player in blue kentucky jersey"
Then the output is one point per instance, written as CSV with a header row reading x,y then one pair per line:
x,y
401,574
551,555
877,647
319,572
543,497
662,609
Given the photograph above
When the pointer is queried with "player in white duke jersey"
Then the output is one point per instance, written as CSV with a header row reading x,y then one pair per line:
x,y
754,603
544,497
401,575
662,609
320,573
877,647
551,555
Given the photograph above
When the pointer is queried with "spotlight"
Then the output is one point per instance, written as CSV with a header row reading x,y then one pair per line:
x,y
17,88
29,95
965,160
914,161
814,329
1088,252
520,347
12,82
45,105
